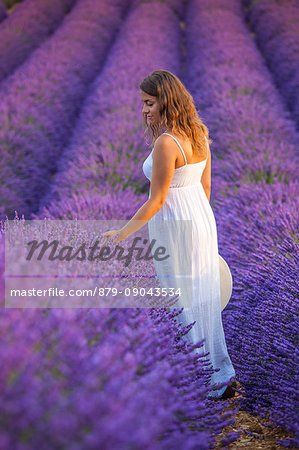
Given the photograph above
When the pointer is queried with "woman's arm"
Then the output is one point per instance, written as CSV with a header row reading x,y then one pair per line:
x,y
206,176
143,215
162,174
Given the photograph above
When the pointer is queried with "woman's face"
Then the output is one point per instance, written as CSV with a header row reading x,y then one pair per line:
x,y
151,108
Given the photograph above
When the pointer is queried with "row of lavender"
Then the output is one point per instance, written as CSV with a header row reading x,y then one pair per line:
x,y
74,366
40,102
81,378
26,28
275,25
109,129
254,173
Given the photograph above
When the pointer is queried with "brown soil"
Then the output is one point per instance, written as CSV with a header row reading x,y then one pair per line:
x,y
264,437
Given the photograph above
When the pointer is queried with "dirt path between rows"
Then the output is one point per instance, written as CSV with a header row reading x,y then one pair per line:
x,y
263,437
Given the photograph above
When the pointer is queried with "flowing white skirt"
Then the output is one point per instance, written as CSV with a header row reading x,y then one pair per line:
x,y
190,236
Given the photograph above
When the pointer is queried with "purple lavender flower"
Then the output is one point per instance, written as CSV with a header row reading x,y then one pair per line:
x,y
80,378
110,126
40,102
26,27
275,27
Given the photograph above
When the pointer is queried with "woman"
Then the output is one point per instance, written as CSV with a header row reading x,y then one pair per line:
x,y
179,168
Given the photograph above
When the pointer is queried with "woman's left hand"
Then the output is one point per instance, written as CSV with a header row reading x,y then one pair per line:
x,y
110,233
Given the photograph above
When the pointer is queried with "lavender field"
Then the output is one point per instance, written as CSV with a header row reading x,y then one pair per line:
x,y
72,146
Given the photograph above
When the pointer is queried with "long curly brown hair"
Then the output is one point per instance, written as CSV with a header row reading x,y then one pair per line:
x,y
177,110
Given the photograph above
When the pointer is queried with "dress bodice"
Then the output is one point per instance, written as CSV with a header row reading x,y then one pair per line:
x,y
187,175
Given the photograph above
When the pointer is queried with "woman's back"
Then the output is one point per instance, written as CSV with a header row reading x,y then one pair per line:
x,y
186,174
184,150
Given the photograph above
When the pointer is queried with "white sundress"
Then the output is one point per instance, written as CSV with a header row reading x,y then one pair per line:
x,y
186,200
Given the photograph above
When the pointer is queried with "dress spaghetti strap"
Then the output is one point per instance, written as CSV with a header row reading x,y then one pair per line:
x,y
179,146
183,150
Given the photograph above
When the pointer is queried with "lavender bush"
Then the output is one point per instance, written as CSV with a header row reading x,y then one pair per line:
x,y
79,378
114,203
275,26
253,164
40,103
263,320
26,28
245,107
107,148
177,6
